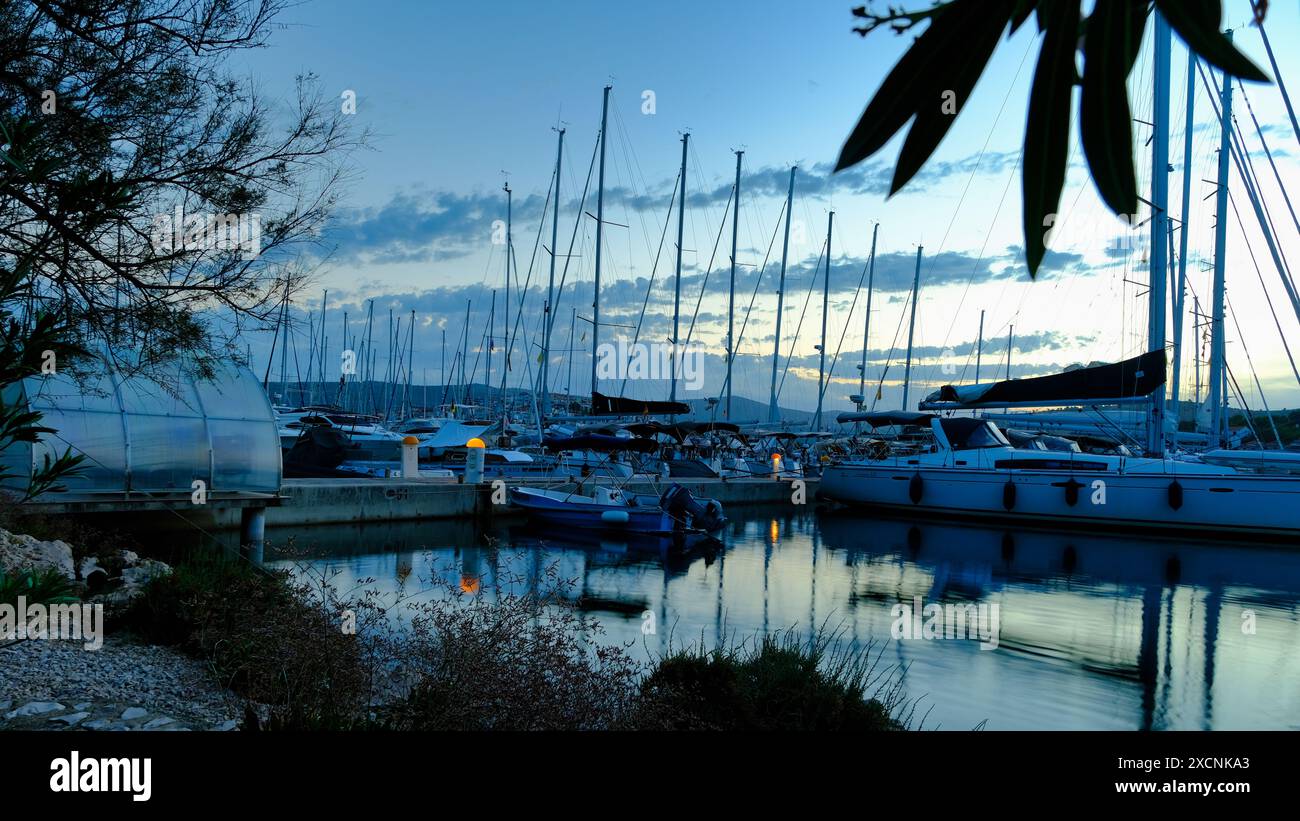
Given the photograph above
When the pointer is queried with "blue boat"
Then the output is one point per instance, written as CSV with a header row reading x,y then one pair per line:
x,y
613,509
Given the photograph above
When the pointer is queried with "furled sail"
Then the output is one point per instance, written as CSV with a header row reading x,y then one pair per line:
x,y
1101,384
602,405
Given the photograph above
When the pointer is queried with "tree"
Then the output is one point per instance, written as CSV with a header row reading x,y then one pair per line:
x,y
26,351
934,79
152,204
158,202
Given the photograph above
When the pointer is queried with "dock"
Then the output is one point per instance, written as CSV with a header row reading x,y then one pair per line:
x,y
303,502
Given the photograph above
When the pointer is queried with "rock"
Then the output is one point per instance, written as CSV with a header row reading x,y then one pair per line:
x,y
19,551
226,726
155,681
138,575
119,587
35,708
132,713
71,719
161,721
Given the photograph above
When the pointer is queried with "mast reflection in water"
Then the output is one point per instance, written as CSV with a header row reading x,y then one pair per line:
x,y
1095,632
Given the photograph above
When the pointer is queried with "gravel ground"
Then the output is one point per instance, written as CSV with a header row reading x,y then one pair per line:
x,y
122,685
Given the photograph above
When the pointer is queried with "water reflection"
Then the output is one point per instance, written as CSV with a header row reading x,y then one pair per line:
x,y
1095,631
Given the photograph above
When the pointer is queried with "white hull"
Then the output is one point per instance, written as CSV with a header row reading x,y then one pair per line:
x,y
1224,504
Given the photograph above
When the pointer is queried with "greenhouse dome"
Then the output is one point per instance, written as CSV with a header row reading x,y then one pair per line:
x,y
153,435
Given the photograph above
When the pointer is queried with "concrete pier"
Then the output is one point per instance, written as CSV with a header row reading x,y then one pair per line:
x,y
327,501
252,532
304,502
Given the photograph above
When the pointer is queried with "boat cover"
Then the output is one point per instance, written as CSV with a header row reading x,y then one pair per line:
x,y
455,435
602,405
1132,378
601,442
881,419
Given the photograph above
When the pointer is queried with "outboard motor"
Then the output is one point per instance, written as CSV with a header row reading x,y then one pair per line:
x,y
685,508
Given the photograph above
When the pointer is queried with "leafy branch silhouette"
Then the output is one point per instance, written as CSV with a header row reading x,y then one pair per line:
x,y
934,79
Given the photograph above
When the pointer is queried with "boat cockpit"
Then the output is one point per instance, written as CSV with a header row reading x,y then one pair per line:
x,y
964,433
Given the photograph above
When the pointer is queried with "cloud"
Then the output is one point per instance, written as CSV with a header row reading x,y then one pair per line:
x,y
423,226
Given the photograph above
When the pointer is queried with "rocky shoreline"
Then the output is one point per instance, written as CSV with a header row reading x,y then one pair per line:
x,y
51,684
58,685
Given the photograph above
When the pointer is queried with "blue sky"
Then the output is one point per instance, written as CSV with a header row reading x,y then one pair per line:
x,y
458,93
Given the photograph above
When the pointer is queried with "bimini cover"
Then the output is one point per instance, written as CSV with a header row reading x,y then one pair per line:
x,y
155,434
884,419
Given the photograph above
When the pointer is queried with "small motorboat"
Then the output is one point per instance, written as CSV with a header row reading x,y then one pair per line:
x,y
613,509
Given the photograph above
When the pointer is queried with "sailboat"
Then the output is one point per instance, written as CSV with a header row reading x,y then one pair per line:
x,y
972,470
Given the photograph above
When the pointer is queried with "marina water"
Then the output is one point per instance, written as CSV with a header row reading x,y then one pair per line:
x,y
1093,632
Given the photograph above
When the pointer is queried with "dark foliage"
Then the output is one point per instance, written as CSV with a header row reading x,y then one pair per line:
x,y
934,79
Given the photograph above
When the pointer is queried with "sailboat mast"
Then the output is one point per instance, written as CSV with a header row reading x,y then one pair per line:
x,y
284,348
505,326
370,356
410,364
464,353
866,327
979,349
772,411
343,375
1011,338
324,343
1180,295
487,380
1196,352
731,299
677,281
573,327
600,227
1157,296
911,328
270,360
547,319
1218,348
826,301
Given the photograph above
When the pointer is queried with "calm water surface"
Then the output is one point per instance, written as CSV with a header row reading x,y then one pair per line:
x,y
1095,632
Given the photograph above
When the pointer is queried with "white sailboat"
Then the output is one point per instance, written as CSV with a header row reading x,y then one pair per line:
x,y
971,469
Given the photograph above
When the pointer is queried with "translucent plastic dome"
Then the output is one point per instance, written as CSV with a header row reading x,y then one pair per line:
x,y
152,436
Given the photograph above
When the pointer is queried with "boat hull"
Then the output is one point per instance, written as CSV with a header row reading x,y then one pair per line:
x,y
1235,506
576,513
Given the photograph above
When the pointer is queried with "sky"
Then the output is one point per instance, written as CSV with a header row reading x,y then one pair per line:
x,y
462,98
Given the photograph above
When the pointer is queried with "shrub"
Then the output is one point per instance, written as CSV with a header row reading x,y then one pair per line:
x,y
47,586
779,682
470,658
263,636
511,662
